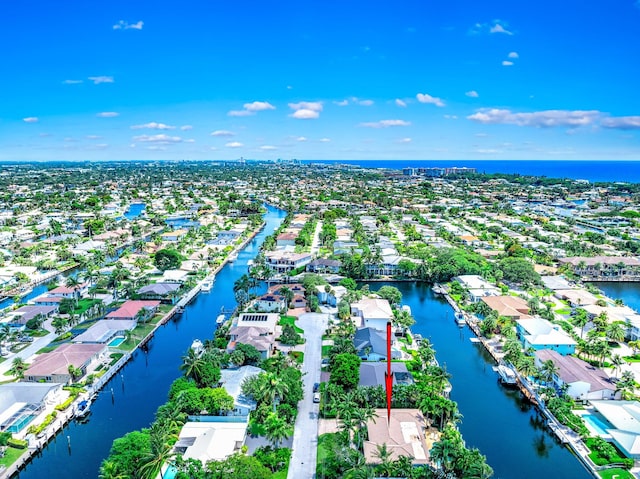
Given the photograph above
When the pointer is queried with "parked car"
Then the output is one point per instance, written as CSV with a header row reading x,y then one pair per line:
x,y
316,397
316,387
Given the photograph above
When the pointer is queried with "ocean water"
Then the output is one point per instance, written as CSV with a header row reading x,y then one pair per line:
x,y
593,171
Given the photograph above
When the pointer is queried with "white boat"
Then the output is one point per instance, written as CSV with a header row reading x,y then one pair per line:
x,y
507,375
233,256
206,285
220,319
459,317
197,347
82,408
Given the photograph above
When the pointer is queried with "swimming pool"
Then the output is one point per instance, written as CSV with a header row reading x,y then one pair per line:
x,y
20,424
117,341
600,426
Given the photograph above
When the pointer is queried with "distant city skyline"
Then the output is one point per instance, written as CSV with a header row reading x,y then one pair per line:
x,y
356,80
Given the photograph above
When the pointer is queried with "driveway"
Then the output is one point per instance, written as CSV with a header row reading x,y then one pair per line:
x,y
305,436
33,348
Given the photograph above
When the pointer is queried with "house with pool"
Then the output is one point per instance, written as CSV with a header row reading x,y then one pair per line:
x,y
21,403
617,422
110,332
53,367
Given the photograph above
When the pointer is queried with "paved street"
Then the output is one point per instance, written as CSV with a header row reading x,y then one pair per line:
x,y
305,437
30,350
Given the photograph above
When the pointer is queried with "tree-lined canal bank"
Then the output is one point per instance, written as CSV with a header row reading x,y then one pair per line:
x,y
129,400
498,421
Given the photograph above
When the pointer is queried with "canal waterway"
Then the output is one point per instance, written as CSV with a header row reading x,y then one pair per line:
x,y
504,427
128,401
629,293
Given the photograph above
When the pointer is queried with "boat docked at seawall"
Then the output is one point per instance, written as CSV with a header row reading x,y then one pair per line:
x,y
206,286
220,319
459,318
507,375
82,408
197,347
232,257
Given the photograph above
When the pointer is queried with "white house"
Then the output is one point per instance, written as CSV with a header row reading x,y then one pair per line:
x,y
372,313
231,380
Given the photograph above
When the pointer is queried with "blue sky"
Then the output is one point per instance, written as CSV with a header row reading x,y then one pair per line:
x,y
421,79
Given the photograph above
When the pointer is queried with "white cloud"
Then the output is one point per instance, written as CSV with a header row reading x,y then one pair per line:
x,y
31,119
513,55
306,110
223,133
153,126
259,106
451,117
342,103
385,123
305,114
108,114
401,103
234,144
404,140
101,79
301,138
189,140
540,119
325,140
160,138
124,25
156,148
426,98
499,28
93,137
268,148
186,127
472,94
365,102
71,82
251,108
240,113
306,105
506,63
622,122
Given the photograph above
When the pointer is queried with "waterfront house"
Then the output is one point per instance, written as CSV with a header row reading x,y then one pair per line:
x,y
270,303
174,276
477,286
538,333
231,380
75,292
83,249
373,374
212,438
372,313
403,434
105,330
286,239
20,403
508,306
371,345
174,236
332,297
53,367
258,337
166,292
604,267
576,297
284,261
134,310
322,265
584,381
621,424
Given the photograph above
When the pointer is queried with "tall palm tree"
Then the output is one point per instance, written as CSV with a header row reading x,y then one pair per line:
x,y
109,470
277,429
548,371
617,362
161,452
273,389
192,365
383,454
615,332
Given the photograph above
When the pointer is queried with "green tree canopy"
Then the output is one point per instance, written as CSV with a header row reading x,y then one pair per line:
x,y
345,370
167,258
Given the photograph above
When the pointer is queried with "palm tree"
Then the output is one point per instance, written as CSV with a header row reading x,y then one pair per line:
x,y
109,470
627,385
18,367
615,332
277,429
161,451
443,452
617,362
60,324
548,371
273,389
580,320
383,454
192,365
